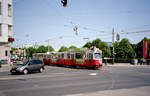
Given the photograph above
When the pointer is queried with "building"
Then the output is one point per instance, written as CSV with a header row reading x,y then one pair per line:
x,y
6,28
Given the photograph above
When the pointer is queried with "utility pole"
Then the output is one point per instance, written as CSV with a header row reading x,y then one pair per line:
x,y
48,45
113,51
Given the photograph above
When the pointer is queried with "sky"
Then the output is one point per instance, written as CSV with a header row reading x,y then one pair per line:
x,y
36,21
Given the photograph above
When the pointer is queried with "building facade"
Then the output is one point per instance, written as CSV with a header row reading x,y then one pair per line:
x,y
6,28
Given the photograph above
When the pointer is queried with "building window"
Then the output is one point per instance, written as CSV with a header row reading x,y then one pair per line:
x,y
0,8
6,53
0,29
9,10
9,29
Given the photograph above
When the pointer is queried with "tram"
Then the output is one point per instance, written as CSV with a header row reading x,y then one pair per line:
x,y
87,58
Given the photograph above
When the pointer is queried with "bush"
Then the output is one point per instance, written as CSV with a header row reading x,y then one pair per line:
x,y
123,60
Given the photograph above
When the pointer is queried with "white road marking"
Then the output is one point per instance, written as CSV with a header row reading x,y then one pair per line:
x,y
93,74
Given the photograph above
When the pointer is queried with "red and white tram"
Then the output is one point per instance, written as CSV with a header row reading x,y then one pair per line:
x,y
85,58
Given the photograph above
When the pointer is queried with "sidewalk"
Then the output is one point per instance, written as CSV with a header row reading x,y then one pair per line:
x,y
124,64
118,64
140,91
4,68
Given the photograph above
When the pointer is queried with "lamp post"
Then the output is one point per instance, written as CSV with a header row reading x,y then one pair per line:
x,y
49,42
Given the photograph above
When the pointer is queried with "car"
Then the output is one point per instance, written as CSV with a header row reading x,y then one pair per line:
x,y
3,62
28,66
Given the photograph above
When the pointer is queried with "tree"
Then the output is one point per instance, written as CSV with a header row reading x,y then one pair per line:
x,y
63,48
97,43
30,51
117,49
13,49
106,50
44,49
41,49
74,48
88,45
51,49
101,45
124,49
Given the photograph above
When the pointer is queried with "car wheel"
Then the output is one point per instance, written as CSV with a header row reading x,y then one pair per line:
x,y
25,71
11,72
41,70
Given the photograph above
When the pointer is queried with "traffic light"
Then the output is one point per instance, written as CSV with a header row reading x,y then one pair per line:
x,y
64,2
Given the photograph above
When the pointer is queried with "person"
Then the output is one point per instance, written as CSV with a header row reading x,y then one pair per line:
x,y
11,59
106,62
11,62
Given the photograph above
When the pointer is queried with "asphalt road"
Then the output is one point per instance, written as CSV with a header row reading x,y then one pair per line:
x,y
59,81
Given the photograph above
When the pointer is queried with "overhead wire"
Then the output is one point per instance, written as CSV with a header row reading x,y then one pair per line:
x,y
142,31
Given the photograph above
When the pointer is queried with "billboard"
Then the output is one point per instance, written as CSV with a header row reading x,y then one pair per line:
x,y
145,49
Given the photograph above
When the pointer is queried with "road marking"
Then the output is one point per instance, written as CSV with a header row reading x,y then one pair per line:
x,y
93,74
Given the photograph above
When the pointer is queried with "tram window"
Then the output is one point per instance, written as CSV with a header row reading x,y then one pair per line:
x,y
97,56
79,56
68,56
72,56
62,56
48,56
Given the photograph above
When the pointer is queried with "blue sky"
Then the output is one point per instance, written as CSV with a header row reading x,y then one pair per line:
x,y
40,20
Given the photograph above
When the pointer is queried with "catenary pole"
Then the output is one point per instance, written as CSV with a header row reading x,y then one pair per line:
x,y
113,51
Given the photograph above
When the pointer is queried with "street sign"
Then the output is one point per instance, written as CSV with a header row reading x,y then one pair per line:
x,y
109,44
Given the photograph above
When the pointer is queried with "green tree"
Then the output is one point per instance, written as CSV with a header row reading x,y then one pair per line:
x,y
124,49
117,49
44,49
106,50
13,49
97,43
51,49
63,48
30,51
41,49
74,48
88,45
101,45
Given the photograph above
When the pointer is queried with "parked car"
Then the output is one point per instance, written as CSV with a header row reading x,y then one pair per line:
x,y
3,62
28,66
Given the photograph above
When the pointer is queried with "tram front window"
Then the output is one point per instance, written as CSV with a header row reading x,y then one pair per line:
x,y
97,56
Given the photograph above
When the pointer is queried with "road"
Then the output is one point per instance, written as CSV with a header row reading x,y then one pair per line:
x,y
59,81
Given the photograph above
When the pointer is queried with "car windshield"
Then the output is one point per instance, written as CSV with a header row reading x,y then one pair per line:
x,y
36,62
24,63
